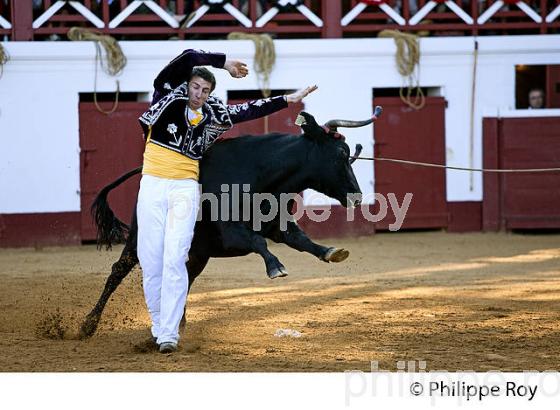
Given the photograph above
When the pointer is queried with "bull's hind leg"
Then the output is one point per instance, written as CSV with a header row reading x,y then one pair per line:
x,y
295,238
119,271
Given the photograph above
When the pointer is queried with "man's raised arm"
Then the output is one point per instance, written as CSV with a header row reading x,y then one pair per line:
x,y
180,68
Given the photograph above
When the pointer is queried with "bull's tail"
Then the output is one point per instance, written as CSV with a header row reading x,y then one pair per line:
x,y
110,229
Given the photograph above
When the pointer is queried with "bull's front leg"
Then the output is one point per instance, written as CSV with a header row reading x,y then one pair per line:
x,y
295,238
238,237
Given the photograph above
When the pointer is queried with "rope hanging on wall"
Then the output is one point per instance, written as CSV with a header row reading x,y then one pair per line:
x,y
4,58
471,131
115,59
407,58
265,57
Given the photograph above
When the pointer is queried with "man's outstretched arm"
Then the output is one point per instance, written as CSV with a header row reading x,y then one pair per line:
x,y
252,110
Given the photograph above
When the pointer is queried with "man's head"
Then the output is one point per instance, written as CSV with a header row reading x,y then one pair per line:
x,y
536,98
201,84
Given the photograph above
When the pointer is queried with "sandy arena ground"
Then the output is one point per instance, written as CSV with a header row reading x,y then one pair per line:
x,y
457,301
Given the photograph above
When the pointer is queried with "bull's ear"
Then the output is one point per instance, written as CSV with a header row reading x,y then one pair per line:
x,y
309,126
300,119
304,119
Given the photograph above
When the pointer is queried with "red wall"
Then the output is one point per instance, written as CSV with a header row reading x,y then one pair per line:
x,y
521,201
45,229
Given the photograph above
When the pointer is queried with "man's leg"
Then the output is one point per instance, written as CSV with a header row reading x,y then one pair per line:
x,y
184,197
152,212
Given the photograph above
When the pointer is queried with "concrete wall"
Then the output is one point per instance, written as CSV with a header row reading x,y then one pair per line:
x,y
39,95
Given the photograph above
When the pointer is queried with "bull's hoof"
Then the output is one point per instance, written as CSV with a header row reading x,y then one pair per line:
x,y
277,273
336,255
89,327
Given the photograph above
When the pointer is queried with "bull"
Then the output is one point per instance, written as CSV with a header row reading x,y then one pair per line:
x,y
275,164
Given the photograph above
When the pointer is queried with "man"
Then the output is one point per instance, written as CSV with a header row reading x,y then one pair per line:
x,y
182,123
536,98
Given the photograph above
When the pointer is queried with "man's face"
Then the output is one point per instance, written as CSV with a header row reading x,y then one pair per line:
x,y
536,99
199,91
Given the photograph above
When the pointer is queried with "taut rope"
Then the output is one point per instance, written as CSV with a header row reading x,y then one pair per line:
x,y
427,164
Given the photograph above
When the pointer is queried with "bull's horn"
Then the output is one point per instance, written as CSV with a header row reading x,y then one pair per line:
x,y
356,154
334,124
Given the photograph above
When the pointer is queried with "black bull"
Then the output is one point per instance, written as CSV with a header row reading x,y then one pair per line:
x,y
274,164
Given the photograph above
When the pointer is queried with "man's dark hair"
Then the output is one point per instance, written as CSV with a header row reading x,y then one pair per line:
x,y
536,89
205,74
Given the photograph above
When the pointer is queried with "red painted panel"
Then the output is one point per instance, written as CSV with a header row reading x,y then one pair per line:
x,y
332,13
110,146
22,20
41,229
464,216
530,200
404,133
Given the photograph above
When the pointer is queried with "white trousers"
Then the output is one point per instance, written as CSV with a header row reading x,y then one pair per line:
x,y
166,211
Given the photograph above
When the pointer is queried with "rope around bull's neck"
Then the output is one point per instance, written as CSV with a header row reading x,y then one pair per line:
x,y
427,164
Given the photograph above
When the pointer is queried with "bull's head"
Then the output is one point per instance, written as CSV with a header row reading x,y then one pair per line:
x,y
332,173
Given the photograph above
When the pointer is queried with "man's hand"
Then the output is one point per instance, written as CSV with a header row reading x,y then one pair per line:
x,y
300,95
236,69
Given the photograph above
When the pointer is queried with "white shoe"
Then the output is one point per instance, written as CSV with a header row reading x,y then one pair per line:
x,y
167,347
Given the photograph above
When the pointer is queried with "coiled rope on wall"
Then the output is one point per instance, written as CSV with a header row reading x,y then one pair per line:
x,y
114,61
407,59
265,57
4,58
